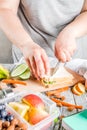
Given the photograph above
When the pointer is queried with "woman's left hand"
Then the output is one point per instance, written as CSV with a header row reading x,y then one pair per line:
x,y
65,45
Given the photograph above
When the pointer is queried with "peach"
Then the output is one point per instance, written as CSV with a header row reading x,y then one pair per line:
x,y
36,115
33,101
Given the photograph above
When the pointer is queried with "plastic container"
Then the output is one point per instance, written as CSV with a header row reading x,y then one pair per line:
x,y
50,108
10,110
7,116
7,94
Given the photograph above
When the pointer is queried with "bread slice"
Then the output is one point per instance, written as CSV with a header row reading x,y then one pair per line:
x,y
78,89
75,91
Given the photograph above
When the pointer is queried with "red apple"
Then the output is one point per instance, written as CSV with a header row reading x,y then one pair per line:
x,y
33,101
36,115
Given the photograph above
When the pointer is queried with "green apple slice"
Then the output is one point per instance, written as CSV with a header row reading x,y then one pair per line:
x,y
20,69
25,75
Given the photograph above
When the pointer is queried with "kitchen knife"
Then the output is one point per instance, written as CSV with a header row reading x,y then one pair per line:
x,y
57,67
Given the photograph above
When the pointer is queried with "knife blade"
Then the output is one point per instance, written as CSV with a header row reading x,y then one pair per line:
x,y
57,67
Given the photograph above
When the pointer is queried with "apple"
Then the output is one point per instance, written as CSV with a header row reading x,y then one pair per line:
x,y
19,107
36,115
33,101
37,110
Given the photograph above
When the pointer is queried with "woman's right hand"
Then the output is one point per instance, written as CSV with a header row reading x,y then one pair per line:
x,y
36,58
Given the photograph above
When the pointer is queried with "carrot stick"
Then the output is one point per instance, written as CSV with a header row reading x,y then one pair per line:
x,y
13,81
56,96
60,97
49,93
66,104
70,108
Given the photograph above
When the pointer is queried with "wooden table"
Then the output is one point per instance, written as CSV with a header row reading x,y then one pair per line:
x,y
71,98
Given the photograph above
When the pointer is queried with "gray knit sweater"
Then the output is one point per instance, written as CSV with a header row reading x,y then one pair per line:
x,y
44,19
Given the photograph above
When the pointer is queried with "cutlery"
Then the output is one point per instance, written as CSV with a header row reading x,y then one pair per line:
x,y
58,65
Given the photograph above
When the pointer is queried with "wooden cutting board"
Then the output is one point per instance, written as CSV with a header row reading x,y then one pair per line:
x,y
34,85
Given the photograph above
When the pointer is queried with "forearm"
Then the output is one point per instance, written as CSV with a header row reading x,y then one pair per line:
x,y
11,25
78,27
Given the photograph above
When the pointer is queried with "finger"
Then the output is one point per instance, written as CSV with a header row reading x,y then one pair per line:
x,y
36,75
57,54
46,63
33,67
60,55
31,70
67,54
39,65
28,63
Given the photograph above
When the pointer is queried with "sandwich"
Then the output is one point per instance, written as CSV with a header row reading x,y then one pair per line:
x,y
62,77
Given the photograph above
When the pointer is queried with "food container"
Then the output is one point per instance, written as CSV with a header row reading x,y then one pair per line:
x,y
9,119
7,94
50,106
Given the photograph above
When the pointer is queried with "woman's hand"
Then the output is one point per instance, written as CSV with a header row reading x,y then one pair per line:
x,y
65,45
36,58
